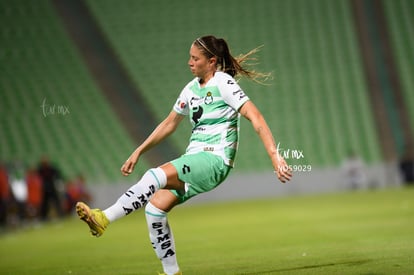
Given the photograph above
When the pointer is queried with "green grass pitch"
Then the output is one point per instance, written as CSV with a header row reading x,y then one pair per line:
x,y
366,232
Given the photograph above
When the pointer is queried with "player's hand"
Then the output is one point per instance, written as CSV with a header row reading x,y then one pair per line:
x,y
282,170
128,166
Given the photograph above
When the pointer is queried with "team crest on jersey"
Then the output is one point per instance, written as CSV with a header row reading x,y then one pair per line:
x,y
208,99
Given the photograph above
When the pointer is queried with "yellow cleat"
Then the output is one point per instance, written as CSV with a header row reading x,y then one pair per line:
x,y
94,218
178,273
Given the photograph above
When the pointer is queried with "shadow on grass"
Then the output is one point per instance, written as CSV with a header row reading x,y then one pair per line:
x,y
350,263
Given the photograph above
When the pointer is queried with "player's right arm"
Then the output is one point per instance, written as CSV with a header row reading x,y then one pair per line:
x,y
163,130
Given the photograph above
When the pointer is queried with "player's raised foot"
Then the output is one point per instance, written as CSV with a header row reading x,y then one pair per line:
x,y
178,273
94,218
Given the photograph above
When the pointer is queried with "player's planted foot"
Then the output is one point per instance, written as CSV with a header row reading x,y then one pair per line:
x,y
94,218
178,273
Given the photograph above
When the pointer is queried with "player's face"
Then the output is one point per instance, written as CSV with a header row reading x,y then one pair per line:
x,y
200,65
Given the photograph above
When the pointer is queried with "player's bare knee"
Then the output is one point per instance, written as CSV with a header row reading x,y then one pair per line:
x,y
164,200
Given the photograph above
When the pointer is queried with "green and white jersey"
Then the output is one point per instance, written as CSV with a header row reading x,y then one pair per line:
x,y
213,112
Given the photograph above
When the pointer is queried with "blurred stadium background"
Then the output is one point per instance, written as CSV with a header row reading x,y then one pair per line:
x,y
343,82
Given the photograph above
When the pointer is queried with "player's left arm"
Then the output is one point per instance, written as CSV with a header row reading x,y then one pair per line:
x,y
250,112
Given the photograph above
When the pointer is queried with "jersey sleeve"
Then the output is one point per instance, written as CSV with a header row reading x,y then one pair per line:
x,y
231,92
181,105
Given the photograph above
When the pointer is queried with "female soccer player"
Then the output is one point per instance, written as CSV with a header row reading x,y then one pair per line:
x,y
213,101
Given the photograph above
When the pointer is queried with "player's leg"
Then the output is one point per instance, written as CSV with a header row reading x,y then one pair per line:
x,y
160,233
199,178
44,208
140,194
135,198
